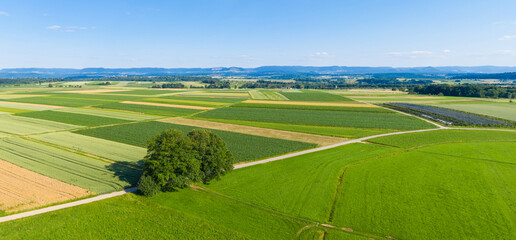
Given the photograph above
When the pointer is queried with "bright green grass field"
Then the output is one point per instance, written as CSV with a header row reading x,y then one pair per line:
x,y
105,97
320,118
60,101
243,146
111,150
345,132
499,110
73,118
24,125
151,110
13,110
448,191
309,95
147,92
108,113
209,100
78,170
413,140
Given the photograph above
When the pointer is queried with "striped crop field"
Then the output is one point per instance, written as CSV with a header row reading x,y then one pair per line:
x,y
108,113
24,125
73,118
110,150
82,171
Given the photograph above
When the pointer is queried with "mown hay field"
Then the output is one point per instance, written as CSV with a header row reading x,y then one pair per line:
x,y
244,147
79,170
319,118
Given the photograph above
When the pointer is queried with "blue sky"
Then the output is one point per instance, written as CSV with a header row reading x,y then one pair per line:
x,y
247,33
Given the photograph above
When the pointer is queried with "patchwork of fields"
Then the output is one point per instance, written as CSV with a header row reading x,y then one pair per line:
x,y
58,145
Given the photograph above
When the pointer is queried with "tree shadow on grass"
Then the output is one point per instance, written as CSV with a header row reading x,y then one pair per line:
x,y
125,173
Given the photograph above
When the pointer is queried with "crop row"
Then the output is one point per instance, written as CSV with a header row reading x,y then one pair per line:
x,y
446,116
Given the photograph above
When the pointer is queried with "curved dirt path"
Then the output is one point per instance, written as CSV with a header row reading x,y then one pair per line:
x,y
236,166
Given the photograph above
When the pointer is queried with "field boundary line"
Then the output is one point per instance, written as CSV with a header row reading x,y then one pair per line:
x,y
66,205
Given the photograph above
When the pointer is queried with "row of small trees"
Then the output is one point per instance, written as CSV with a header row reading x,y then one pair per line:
x,y
175,161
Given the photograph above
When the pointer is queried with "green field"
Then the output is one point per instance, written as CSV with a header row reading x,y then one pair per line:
x,y
195,101
151,110
345,132
243,146
13,110
68,167
60,101
310,95
413,140
146,92
73,118
266,95
110,150
24,125
499,110
319,118
449,191
21,107
108,113
312,108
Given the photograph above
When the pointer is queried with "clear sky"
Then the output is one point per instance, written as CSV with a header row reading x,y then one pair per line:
x,y
250,33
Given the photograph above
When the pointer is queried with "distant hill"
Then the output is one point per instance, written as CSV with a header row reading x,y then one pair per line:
x,y
270,71
501,76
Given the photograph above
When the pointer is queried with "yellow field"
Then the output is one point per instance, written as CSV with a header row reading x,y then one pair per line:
x,y
21,189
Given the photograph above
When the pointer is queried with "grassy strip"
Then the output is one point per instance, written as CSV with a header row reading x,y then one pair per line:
x,y
60,101
13,110
243,146
108,113
187,102
24,125
320,118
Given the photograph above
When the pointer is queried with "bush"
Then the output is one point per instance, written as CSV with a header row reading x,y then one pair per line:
x,y
148,187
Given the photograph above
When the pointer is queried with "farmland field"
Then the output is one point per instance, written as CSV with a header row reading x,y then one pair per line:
x,y
107,113
255,147
59,101
24,125
72,118
310,95
321,118
499,110
85,172
151,110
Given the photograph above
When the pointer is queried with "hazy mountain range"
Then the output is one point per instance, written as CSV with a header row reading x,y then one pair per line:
x,y
237,71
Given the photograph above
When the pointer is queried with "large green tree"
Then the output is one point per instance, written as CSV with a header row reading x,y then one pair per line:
x,y
175,161
216,160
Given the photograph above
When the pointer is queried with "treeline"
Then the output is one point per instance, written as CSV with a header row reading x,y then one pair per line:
x,y
477,90
500,76
315,83
153,79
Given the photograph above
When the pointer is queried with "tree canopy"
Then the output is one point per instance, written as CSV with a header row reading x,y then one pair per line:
x,y
174,160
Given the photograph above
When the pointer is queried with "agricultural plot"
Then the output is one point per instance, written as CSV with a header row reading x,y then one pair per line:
x,y
12,110
267,95
149,92
22,189
104,97
499,110
110,150
243,146
217,94
189,102
449,191
264,132
85,172
23,125
319,118
210,101
309,187
73,118
167,105
108,114
23,106
151,110
446,116
310,95
358,107
61,101
413,140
